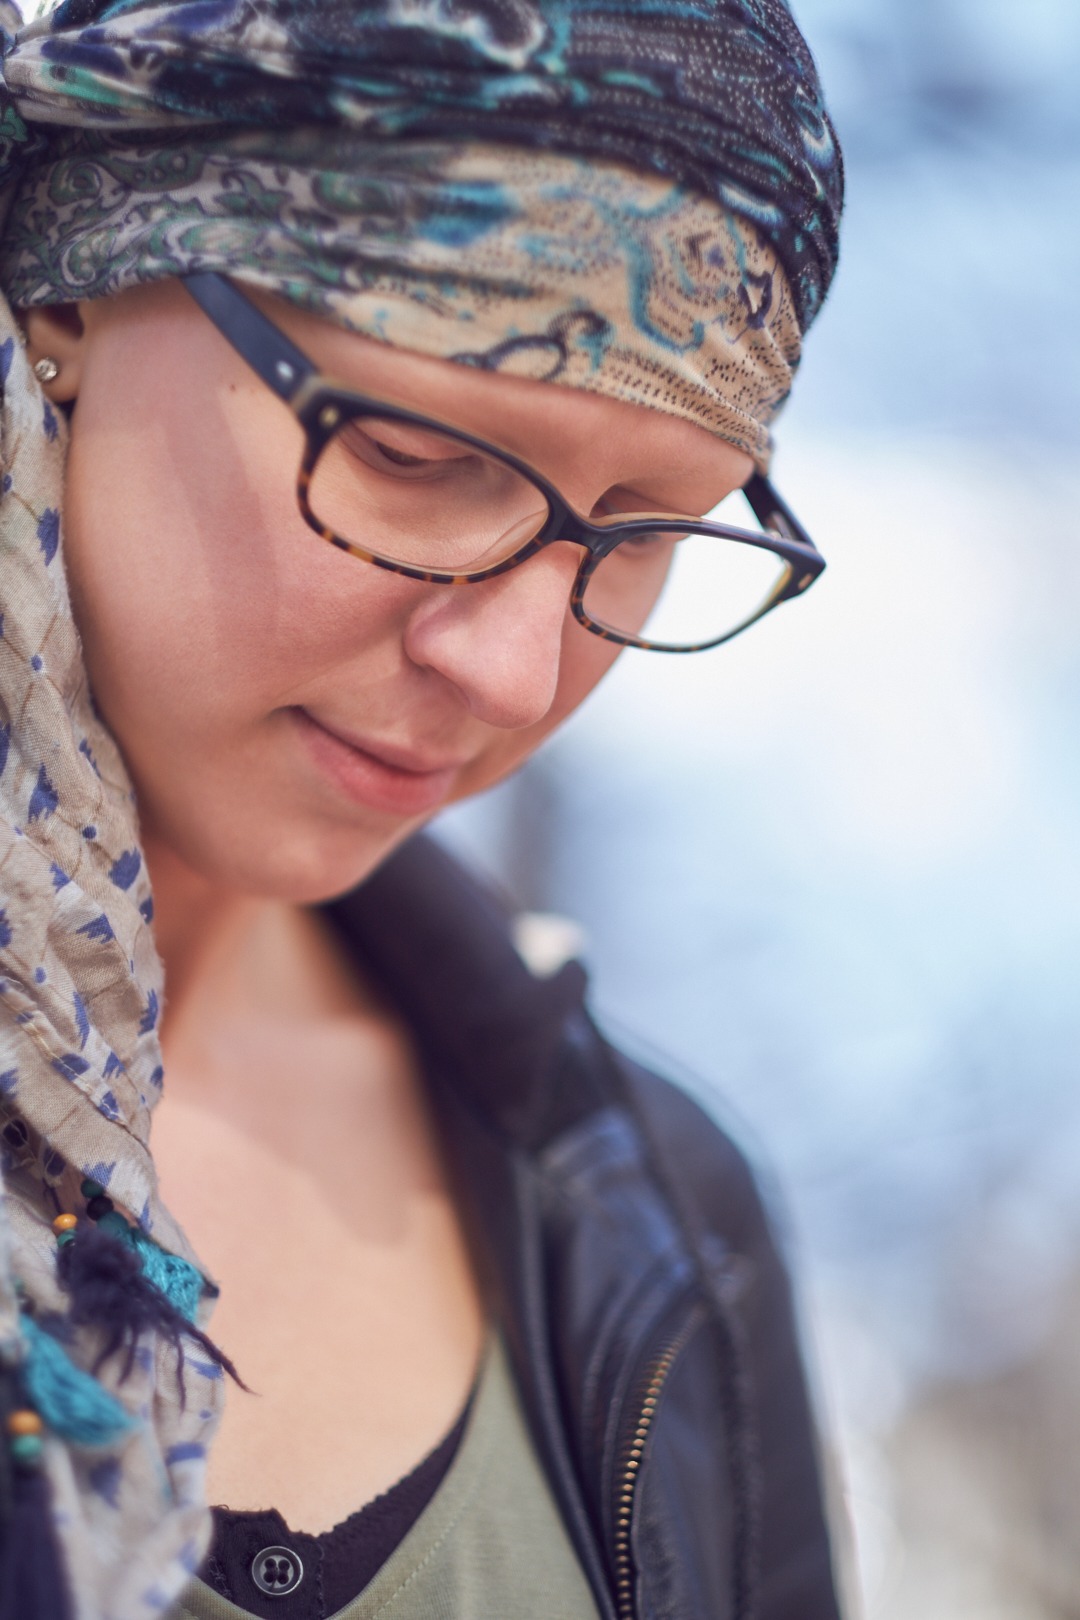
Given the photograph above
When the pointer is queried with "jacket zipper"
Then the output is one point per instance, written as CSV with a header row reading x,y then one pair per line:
x,y
657,1376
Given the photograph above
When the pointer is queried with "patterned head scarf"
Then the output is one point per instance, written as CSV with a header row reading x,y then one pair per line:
x,y
639,199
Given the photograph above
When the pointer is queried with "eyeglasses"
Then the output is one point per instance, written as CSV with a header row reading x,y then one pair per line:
x,y
421,498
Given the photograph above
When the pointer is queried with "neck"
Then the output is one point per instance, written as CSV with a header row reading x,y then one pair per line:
x,y
198,926
233,960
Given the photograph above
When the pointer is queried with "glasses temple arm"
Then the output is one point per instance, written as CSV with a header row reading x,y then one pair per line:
x,y
772,512
280,364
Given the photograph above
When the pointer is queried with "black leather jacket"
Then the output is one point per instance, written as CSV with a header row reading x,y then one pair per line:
x,y
622,1242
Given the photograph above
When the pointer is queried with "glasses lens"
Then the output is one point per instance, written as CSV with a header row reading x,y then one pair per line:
x,y
422,497
682,589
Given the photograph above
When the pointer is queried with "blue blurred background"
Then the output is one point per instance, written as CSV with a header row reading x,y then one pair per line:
x,y
831,871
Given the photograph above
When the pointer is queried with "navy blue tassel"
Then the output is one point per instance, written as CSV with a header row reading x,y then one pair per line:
x,y
104,1279
8,1403
33,1583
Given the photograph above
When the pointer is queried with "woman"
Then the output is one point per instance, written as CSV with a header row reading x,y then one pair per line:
x,y
461,289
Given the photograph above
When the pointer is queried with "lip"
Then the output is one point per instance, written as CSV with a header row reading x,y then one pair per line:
x,y
379,775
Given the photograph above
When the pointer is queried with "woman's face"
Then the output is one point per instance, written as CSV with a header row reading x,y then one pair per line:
x,y
287,712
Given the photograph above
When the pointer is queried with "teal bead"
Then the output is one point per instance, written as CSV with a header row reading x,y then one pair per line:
x,y
92,1189
112,1221
64,1238
26,1448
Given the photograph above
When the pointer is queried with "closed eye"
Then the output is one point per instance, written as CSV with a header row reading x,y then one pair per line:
x,y
403,449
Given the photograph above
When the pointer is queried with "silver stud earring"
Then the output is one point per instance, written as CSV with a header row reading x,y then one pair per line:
x,y
46,369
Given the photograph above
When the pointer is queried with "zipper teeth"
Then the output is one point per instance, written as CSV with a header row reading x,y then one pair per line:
x,y
624,1574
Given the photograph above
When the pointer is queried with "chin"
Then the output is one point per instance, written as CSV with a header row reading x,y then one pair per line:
x,y
314,875
303,869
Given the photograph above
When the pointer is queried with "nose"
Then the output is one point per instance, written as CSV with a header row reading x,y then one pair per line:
x,y
499,642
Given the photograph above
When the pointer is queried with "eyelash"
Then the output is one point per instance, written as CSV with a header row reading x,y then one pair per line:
x,y
399,457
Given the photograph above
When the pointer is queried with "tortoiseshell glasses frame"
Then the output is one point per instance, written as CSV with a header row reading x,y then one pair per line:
x,y
323,406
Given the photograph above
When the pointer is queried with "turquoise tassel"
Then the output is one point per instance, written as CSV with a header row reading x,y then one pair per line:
x,y
181,1283
70,1401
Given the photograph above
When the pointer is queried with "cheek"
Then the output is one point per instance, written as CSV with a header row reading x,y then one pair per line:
x,y
206,606
182,544
197,582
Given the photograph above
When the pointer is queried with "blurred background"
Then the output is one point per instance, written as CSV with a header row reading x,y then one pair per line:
x,y
829,876
831,872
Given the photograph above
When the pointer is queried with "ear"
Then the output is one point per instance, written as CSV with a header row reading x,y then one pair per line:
x,y
56,332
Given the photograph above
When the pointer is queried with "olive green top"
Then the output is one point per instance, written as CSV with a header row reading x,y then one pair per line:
x,y
490,1545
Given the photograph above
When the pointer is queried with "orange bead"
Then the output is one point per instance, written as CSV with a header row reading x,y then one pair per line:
x,y
65,1223
23,1422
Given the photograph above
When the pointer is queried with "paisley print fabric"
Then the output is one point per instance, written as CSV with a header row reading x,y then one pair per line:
x,y
720,95
535,263
641,201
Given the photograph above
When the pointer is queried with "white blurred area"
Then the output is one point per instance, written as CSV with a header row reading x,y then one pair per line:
x,y
829,874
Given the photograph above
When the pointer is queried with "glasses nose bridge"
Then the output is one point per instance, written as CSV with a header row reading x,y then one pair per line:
x,y
595,539
565,526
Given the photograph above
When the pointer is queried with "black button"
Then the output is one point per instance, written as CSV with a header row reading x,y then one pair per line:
x,y
277,1571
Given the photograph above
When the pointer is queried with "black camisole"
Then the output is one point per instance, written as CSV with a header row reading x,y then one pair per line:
x,y
337,1564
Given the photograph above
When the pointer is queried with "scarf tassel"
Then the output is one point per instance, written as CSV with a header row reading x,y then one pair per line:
x,y
71,1403
109,1290
120,1284
33,1580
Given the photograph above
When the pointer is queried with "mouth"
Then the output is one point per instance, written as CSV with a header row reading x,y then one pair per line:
x,y
379,775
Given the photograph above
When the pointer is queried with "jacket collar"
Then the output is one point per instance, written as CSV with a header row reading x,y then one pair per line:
x,y
516,1048
511,1063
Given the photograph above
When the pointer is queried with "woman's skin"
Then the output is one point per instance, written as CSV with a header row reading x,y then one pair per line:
x,y
290,714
